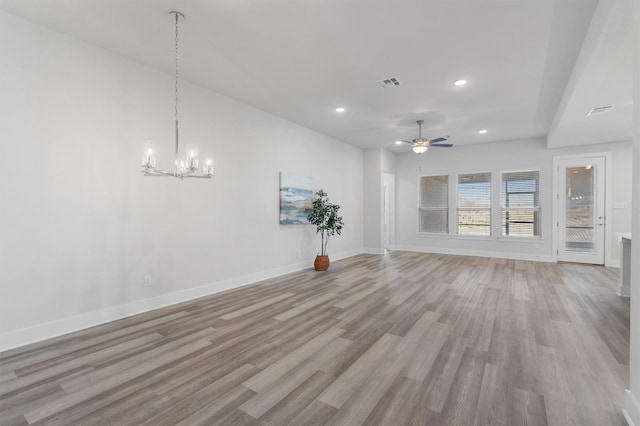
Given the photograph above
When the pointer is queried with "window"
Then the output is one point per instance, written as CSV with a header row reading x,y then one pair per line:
x,y
474,204
520,204
434,210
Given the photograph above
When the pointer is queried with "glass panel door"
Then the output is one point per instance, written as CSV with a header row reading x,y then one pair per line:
x,y
581,210
579,225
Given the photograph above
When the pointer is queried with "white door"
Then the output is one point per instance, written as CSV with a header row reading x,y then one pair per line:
x,y
385,219
581,204
388,211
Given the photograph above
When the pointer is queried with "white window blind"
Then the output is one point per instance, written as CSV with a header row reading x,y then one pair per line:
x,y
434,209
520,204
474,204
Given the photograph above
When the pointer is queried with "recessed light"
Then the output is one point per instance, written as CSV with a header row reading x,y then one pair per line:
x,y
482,132
339,109
460,82
398,142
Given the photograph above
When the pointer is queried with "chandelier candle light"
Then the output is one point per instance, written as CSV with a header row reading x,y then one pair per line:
x,y
184,167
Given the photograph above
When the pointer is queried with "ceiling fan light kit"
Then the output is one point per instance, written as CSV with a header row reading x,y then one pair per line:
x,y
419,147
187,166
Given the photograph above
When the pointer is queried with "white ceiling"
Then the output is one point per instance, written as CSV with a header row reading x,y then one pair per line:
x,y
301,59
601,76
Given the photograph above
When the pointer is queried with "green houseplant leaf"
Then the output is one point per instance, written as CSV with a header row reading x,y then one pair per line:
x,y
324,215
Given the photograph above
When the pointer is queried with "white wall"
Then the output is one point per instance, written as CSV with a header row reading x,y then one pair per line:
x,y
377,162
632,402
372,194
496,158
81,226
388,160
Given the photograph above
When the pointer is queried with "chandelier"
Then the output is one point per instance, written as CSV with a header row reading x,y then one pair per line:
x,y
187,166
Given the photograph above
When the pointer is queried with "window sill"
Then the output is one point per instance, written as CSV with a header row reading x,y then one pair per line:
x,y
526,240
474,237
432,235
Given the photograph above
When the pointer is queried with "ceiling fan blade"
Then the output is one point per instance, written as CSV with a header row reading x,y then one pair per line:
x,y
441,145
440,139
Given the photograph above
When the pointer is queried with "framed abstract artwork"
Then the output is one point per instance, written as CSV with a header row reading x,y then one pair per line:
x,y
296,196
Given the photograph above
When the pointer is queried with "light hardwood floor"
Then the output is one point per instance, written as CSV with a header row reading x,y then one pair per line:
x,y
401,339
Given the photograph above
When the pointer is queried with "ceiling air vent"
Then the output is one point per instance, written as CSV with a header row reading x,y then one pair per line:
x,y
599,110
388,82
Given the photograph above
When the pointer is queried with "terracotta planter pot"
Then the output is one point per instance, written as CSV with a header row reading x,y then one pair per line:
x,y
321,263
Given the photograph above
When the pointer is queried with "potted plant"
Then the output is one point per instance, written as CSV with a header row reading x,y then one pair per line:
x,y
324,215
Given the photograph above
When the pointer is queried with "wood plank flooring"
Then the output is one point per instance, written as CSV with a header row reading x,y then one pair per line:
x,y
401,339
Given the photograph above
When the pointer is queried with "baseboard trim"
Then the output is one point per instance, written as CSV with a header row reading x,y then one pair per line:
x,y
624,291
25,336
373,250
478,253
631,410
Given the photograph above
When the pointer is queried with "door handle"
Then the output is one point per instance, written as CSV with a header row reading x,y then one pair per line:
x,y
600,224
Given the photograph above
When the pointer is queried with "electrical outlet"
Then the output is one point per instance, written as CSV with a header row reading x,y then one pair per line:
x,y
147,280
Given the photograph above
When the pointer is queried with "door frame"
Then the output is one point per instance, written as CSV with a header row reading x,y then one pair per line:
x,y
388,232
608,204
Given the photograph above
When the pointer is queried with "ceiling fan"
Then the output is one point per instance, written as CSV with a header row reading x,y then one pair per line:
x,y
420,144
